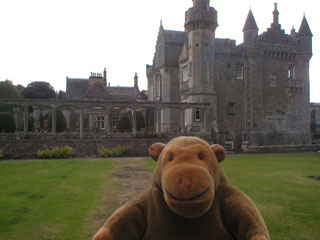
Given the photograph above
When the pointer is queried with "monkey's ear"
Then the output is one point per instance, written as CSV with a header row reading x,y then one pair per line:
x,y
155,150
219,151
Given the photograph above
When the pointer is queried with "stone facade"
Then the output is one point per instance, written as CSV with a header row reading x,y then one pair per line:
x,y
96,87
315,122
258,91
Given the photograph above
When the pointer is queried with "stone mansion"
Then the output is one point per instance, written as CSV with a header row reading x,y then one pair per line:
x,y
258,91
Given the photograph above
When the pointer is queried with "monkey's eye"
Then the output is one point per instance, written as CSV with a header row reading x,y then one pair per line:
x,y
171,157
200,156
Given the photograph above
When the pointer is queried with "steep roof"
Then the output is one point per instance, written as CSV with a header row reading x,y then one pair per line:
x,y
304,28
77,88
276,35
174,37
250,22
126,92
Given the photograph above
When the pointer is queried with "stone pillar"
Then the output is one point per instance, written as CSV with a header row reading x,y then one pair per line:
x,y
134,121
81,122
158,121
54,120
182,121
16,117
25,120
36,116
66,114
108,120
204,121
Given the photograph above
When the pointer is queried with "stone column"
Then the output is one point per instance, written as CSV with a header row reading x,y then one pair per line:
x,y
16,116
25,120
204,121
81,123
108,120
182,121
36,116
66,114
134,121
158,120
54,120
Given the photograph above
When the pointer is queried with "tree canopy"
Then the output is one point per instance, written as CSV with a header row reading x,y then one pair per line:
x,y
8,90
7,122
39,90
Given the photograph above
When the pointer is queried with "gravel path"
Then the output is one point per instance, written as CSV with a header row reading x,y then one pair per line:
x,y
129,179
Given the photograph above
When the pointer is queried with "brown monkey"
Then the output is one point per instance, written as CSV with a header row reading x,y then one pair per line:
x,y
190,199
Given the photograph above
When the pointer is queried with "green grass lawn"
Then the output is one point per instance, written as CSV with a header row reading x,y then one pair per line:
x,y
56,199
50,199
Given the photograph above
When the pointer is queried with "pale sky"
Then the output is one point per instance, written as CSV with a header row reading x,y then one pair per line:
x,y
47,40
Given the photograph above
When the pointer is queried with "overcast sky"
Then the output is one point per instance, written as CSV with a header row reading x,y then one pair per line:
x,y
47,40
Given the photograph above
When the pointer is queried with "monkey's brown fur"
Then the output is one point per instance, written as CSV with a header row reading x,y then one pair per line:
x,y
190,199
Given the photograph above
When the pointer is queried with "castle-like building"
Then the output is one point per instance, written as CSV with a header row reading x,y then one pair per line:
x,y
258,91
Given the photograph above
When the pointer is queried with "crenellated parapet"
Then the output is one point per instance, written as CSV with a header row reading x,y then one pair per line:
x,y
201,16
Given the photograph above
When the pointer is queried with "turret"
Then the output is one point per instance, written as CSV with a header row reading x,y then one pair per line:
x,y
201,15
200,26
136,80
250,29
275,13
304,37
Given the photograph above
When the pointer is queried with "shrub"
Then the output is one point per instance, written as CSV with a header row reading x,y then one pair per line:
x,y
119,151
105,152
66,152
44,154
57,152
140,121
7,122
124,123
61,123
1,153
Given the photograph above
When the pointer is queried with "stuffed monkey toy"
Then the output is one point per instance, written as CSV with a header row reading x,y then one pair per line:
x,y
190,199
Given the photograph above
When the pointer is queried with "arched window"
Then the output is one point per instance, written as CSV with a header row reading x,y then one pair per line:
x,y
158,86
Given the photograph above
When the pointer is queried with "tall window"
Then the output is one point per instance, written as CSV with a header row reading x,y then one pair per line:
x,y
184,73
239,72
158,86
115,120
190,69
291,71
98,122
197,116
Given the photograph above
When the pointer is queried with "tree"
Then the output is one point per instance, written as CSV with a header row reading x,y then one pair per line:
x,y
39,90
140,121
7,122
61,123
124,123
8,91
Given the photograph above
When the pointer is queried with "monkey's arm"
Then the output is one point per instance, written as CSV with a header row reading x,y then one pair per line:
x,y
128,222
241,216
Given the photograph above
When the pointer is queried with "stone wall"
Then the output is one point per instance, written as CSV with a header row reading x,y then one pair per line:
x,y
19,146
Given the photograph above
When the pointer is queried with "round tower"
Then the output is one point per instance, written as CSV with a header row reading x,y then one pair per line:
x,y
200,26
304,37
